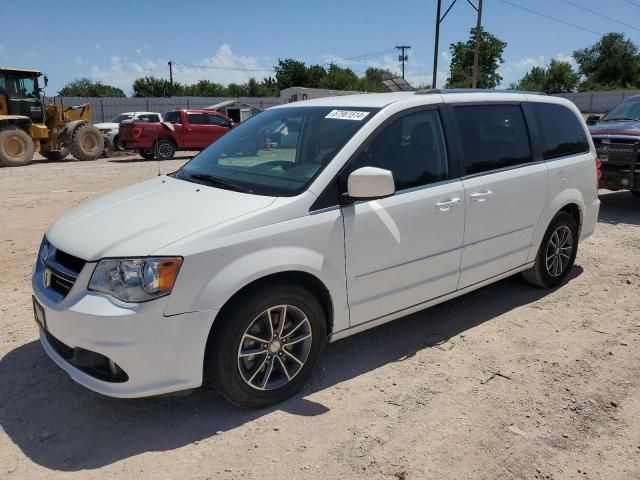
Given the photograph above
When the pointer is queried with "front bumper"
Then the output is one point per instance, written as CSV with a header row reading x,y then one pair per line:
x,y
158,353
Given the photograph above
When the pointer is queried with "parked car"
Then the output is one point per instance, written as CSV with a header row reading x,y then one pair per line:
x,y
617,139
181,130
239,269
110,130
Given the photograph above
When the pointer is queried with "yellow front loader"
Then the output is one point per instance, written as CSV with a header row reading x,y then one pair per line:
x,y
28,126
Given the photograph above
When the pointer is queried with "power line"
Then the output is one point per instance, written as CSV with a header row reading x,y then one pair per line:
x,y
600,15
552,18
633,3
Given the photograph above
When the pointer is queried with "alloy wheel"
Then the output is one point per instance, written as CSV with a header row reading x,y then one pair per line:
x,y
275,347
559,250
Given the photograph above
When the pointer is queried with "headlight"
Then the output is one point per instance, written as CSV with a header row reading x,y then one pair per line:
x,y
136,279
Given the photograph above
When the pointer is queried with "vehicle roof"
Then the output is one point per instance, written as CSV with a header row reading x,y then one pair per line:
x,y
139,113
28,70
379,100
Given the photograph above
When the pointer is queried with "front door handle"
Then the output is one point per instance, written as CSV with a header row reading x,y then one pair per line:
x,y
447,205
481,196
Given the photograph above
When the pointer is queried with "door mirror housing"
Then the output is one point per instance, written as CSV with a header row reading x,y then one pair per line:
x,y
370,183
593,119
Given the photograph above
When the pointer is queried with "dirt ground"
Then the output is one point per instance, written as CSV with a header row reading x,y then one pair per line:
x,y
413,399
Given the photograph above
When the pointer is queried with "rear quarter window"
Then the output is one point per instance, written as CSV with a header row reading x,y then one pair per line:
x,y
561,132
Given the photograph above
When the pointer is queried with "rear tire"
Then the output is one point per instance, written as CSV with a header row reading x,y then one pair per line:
x,y
87,143
556,254
285,359
16,147
164,149
56,155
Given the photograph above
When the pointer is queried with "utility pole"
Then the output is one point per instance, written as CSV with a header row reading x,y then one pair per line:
x,y
402,57
476,53
435,50
439,20
170,63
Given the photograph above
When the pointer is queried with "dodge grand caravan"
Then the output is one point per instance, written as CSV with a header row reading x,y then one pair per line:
x,y
239,268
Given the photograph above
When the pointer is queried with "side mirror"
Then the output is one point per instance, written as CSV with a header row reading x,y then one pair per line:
x,y
593,119
370,183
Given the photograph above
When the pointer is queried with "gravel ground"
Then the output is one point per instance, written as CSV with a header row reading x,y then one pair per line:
x,y
507,382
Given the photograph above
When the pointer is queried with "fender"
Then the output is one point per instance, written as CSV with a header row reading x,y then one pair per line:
x,y
564,198
259,264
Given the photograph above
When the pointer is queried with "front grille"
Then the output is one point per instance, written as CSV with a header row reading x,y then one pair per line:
x,y
59,270
617,150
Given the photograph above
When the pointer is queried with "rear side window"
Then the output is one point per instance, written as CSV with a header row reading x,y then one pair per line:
x,y
197,118
493,137
561,131
213,119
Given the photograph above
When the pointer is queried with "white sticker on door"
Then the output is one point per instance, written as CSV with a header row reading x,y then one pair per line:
x,y
347,115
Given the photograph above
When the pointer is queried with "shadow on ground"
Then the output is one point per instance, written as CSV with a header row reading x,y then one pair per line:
x,y
62,426
619,208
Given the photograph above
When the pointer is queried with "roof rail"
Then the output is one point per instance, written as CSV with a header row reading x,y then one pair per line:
x,y
431,91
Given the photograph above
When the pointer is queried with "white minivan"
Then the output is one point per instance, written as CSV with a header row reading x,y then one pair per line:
x,y
238,269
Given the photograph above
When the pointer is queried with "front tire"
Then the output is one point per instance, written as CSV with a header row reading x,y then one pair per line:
x,y
16,147
87,143
557,253
165,149
266,345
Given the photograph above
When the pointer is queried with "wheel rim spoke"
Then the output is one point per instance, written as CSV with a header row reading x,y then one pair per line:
x,y
256,339
291,332
252,352
293,357
284,368
267,373
298,339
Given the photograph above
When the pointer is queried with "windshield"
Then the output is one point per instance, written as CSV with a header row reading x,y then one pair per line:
x,y
277,152
121,118
22,87
624,111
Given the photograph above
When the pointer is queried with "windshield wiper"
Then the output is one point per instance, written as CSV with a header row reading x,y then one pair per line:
x,y
219,181
618,119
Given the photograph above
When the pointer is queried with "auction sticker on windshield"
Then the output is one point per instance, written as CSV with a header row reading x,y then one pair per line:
x,y
347,115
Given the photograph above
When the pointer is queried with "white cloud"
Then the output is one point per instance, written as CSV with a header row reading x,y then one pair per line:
x,y
138,51
78,60
3,53
98,46
223,67
445,56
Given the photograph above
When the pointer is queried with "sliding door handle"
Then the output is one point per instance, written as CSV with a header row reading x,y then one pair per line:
x,y
446,205
481,196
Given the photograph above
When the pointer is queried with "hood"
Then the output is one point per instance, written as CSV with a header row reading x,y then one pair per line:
x,y
142,218
107,126
623,127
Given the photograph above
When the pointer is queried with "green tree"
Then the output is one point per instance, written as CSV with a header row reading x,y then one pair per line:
x,y
559,77
85,87
156,87
204,88
460,69
339,78
373,78
252,88
269,87
612,63
235,90
291,73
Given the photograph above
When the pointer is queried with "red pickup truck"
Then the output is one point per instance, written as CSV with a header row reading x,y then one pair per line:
x,y
181,130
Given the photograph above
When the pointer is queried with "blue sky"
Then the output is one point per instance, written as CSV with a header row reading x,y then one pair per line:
x,y
117,41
